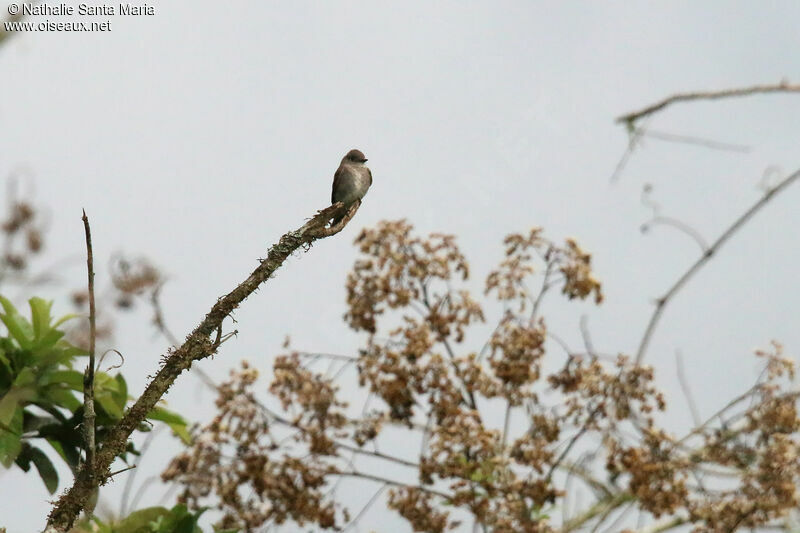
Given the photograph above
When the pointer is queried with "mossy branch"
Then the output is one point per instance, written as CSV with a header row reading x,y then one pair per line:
x,y
201,343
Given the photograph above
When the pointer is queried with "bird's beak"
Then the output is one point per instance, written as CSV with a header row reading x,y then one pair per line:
x,y
365,160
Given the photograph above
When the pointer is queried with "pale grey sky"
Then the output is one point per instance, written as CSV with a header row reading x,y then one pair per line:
x,y
198,135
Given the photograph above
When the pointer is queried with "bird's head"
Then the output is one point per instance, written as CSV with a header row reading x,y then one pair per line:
x,y
354,156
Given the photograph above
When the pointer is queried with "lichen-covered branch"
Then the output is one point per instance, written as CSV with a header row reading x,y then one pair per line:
x,y
201,343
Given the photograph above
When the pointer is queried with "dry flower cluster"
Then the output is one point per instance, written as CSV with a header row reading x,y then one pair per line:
x,y
596,434
130,279
23,234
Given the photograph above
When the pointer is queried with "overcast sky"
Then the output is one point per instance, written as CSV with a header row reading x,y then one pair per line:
x,y
198,135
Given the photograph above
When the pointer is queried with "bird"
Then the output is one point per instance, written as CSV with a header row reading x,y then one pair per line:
x,y
351,181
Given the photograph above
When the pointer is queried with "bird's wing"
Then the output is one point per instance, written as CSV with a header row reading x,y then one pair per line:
x,y
370,176
337,178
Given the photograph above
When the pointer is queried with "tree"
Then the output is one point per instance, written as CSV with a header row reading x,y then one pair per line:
x,y
260,466
430,383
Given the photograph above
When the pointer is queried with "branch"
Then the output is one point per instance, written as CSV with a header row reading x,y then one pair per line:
x,y
687,390
699,141
662,302
198,345
89,415
782,87
598,509
386,481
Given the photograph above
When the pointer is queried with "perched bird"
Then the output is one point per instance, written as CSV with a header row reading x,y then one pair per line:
x,y
351,180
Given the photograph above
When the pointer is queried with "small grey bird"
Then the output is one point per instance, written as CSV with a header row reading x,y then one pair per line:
x,y
351,180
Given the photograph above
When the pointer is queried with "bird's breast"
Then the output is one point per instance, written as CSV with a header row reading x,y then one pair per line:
x,y
353,186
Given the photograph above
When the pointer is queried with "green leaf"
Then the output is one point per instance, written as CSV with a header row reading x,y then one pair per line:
x,y
46,469
106,393
18,327
70,351
64,398
11,401
50,339
68,451
121,394
176,422
25,377
104,382
6,362
40,313
187,524
106,401
71,379
10,443
64,319
139,521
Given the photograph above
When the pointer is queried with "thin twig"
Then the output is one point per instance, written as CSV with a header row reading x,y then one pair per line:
x,y
782,87
666,525
158,315
89,416
682,226
686,139
687,391
379,479
599,508
333,356
634,138
544,288
366,507
123,511
506,425
121,470
662,302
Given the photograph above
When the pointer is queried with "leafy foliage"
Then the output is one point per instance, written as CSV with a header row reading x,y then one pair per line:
x,y
41,394
149,520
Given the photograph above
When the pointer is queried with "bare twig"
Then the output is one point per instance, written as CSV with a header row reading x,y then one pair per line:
x,y
666,525
662,302
782,87
89,416
379,479
198,345
123,510
544,288
331,356
633,140
366,507
686,139
687,391
681,226
598,509
506,426
158,315
657,218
